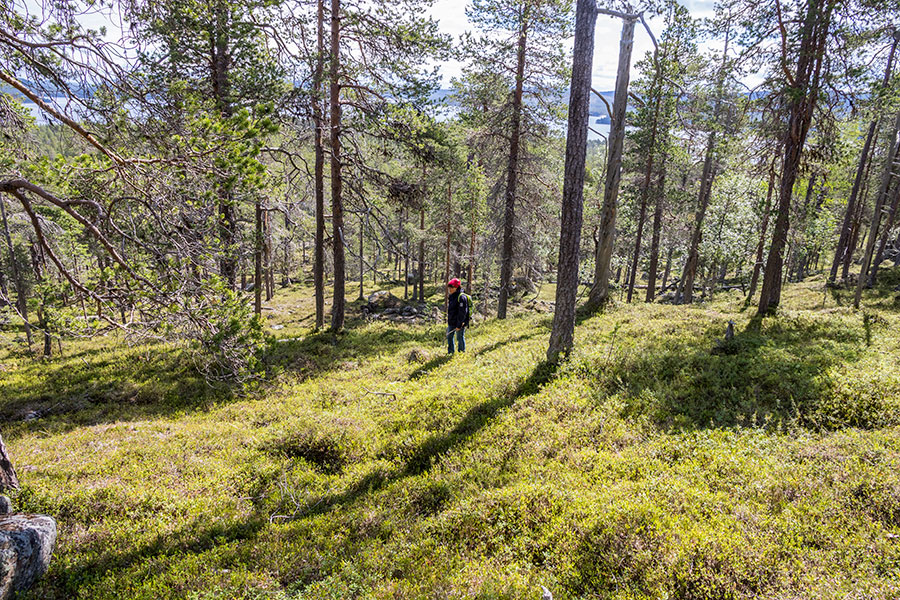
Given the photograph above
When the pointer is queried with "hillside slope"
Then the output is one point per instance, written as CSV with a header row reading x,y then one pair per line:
x,y
656,462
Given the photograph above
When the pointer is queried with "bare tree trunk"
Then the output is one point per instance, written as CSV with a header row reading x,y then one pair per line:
x,y
599,294
798,257
447,249
667,270
761,245
421,254
512,169
843,245
888,226
471,268
220,64
855,229
890,156
337,185
563,332
645,189
654,242
257,261
37,263
21,300
406,260
686,286
268,273
803,95
319,123
362,263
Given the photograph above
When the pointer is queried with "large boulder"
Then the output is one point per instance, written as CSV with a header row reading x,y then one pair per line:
x,y
382,300
26,544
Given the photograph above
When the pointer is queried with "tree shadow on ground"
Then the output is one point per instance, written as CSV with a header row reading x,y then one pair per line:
x,y
65,579
112,384
884,295
422,458
430,366
770,373
323,352
107,385
502,343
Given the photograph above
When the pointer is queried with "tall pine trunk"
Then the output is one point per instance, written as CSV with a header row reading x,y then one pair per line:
x,y
37,264
257,260
337,201
843,246
686,286
599,294
563,331
18,280
761,245
888,226
648,174
803,92
220,63
447,245
512,170
421,280
654,241
887,176
406,257
319,123
362,263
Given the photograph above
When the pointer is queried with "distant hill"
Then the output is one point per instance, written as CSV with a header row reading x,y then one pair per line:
x,y
597,108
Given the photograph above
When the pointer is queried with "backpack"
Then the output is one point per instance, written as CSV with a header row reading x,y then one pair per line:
x,y
468,306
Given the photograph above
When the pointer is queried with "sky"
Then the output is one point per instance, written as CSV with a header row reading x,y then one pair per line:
x,y
451,14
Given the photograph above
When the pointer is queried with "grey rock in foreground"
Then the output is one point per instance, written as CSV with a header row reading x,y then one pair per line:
x,y
5,505
26,544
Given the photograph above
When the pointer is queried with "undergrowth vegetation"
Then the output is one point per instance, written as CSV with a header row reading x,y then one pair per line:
x,y
659,461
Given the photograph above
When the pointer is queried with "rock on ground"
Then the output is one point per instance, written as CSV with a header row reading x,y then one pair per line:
x,y
26,544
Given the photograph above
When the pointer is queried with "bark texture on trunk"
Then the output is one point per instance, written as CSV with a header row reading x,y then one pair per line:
x,y
686,286
843,245
18,280
656,87
257,261
888,227
886,178
447,247
563,331
220,64
512,172
37,264
599,294
337,185
803,93
319,123
654,242
761,245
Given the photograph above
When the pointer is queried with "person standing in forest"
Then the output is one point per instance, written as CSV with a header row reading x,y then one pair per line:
x,y
458,315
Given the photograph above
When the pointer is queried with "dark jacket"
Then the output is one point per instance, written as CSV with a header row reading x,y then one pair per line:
x,y
457,310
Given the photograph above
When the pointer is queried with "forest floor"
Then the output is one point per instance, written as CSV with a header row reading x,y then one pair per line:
x,y
655,463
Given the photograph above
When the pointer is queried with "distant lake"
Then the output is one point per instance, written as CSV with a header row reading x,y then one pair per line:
x,y
39,115
42,119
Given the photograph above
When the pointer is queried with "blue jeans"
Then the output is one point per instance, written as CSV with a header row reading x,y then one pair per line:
x,y
460,339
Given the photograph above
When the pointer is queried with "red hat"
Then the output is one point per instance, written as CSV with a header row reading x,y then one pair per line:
x,y
454,282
